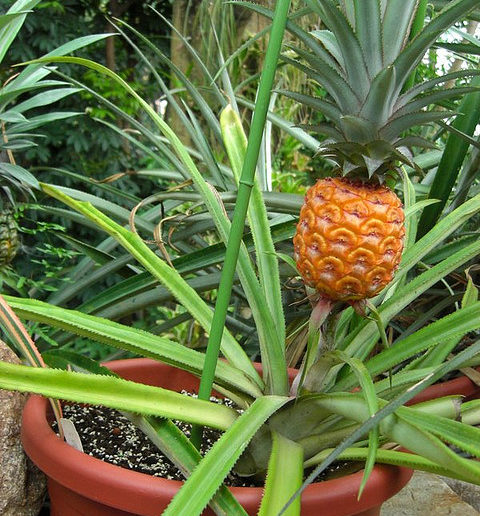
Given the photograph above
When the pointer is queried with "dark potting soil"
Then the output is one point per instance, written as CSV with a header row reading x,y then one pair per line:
x,y
109,436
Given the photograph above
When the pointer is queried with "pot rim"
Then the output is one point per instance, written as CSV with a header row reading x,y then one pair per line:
x,y
82,473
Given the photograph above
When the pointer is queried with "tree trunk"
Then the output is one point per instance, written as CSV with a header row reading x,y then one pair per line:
x,y
457,64
116,10
251,23
180,56
110,48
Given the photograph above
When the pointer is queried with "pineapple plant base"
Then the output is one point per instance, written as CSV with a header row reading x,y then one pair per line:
x,y
349,238
9,241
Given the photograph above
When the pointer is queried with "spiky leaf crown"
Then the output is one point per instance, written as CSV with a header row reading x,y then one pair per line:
x,y
363,61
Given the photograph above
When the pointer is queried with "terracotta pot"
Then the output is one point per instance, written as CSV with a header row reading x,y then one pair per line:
x,y
80,485
461,385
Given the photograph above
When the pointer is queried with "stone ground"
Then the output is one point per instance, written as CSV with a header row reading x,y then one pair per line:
x,y
431,495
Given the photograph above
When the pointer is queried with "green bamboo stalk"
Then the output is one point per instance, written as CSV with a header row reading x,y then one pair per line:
x,y
276,380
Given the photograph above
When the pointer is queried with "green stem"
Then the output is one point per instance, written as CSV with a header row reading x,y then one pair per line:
x,y
277,383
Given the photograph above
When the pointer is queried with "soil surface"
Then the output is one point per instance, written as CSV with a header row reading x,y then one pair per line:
x,y
109,436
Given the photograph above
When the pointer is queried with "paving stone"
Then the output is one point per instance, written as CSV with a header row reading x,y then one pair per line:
x,y
427,494
470,493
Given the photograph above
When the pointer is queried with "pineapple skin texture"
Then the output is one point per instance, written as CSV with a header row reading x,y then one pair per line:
x,y
349,238
9,241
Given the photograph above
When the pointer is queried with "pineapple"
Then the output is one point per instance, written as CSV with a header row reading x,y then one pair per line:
x,y
9,241
349,238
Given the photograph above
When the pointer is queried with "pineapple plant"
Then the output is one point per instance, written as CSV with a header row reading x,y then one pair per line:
x,y
15,183
9,241
349,238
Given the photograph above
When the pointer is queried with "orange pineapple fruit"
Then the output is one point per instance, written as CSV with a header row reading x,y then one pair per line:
x,y
349,238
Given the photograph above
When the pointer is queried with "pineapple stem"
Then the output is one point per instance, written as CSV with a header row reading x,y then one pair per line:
x,y
320,313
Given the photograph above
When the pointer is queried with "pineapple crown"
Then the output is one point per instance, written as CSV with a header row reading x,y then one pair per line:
x,y
363,60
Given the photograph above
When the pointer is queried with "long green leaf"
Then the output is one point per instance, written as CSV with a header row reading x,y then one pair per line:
x,y
440,352
115,393
434,97
329,41
368,391
321,105
45,98
427,85
396,27
130,339
464,437
38,121
236,144
7,18
415,438
452,159
178,448
378,103
284,477
324,75
204,481
442,230
369,32
417,26
454,325
354,58
388,410
163,272
396,458
108,207
413,52
404,122
16,17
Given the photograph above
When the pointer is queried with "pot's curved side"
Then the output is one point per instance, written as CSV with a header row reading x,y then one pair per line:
x,y
107,490
461,385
